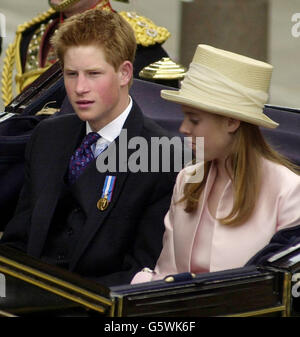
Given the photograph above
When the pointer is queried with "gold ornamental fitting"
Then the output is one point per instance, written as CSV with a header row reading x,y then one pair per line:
x,y
63,5
164,69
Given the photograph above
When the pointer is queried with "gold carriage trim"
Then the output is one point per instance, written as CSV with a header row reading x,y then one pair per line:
x,y
12,57
146,32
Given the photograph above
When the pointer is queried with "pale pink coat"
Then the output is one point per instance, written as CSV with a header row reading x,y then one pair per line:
x,y
278,207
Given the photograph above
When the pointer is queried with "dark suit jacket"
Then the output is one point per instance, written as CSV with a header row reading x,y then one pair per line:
x,y
113,244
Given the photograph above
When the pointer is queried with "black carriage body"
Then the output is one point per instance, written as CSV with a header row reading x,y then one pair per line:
x,y
34,288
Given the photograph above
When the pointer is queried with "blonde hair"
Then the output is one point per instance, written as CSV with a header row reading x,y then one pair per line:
x,y
248,148
101,28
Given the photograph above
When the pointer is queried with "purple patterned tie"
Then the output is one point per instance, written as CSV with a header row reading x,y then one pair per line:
x,y
82,156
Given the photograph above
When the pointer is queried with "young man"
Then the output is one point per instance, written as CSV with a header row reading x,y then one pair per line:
x,y
34,59
65,215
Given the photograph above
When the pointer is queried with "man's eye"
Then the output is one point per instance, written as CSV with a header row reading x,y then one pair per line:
x,y
70,73
94,73
194,121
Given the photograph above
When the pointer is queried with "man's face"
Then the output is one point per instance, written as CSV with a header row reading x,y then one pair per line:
x,y
95,89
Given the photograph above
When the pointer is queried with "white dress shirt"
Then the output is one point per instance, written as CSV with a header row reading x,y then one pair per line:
x,y
110,131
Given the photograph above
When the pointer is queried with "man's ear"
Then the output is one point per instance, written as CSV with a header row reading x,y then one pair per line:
x,y
232,124
125,72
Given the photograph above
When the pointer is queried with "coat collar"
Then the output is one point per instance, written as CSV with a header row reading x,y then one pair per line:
x,y
47,201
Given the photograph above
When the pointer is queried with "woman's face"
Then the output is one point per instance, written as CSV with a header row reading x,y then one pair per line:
x,y
218,132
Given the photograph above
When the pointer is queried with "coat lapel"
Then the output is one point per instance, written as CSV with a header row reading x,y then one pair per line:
x,y
184,239
46,203
94,182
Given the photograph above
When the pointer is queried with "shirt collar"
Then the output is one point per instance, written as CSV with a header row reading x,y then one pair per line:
x,y
113,129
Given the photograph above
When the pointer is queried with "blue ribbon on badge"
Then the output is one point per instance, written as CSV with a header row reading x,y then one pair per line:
x,y
107,192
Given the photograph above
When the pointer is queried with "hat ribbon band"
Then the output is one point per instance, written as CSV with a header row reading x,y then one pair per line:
x,y
203,81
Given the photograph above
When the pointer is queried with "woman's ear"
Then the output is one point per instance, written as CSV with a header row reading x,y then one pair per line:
x,y
232,125
125,72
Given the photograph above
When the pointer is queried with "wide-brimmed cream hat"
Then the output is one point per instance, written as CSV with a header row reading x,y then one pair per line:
x,y
226,84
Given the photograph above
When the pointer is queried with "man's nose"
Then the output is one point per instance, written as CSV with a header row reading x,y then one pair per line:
x,y
81,84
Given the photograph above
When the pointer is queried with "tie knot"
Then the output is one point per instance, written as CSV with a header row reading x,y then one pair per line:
x,y
90,138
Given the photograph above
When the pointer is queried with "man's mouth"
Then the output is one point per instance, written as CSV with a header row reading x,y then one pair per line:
x,y
83,104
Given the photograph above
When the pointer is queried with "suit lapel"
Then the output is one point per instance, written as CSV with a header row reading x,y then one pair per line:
x,y
94,182
58,166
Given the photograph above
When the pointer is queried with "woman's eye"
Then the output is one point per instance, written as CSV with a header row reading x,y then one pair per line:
x,y
194,121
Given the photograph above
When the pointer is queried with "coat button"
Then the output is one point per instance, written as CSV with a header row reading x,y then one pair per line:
x,y
77,209
60,257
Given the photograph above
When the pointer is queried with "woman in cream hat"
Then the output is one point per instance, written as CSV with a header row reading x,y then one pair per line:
x,y
225,210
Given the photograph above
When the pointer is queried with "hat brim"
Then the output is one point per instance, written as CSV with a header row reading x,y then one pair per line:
x,y
185,99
